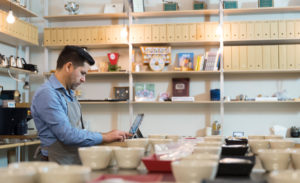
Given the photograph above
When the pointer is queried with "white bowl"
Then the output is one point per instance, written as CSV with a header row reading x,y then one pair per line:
x,y
65,174
175,138
95,157
18,175
129,158
274,159
214,138
202,156
269,137
212,143
194,171
256,145
208,149
295,155
285,176
281,144
157,136
261,137
140,142
113,161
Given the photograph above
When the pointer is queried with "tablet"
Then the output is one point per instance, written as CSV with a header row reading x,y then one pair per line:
x,y
136,124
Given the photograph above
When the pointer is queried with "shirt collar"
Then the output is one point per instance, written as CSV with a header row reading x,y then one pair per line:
x,y
58,86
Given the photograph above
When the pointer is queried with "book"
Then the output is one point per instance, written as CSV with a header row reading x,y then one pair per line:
x,y
144,92
212,61
181,87
186,61
183,99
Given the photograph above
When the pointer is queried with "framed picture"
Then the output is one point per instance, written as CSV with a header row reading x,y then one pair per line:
x,y
144,92
181,87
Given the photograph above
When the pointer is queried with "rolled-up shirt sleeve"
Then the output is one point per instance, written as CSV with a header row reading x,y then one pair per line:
x,y
51,112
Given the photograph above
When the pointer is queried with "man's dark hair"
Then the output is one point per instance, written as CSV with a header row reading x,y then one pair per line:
x,y
74,54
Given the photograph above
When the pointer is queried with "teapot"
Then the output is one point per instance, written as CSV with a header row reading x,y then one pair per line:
x,y
20,62
12,61
72,7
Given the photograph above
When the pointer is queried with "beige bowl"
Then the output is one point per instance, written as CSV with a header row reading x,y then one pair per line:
x,y
261,137
202,156
274,159
65,174
212,143
18,175
256,145
113,161
285,176
175,138
157,136
269,137
193,171
129,158
214,138
95,157
141,142
295,155
208,150
281,144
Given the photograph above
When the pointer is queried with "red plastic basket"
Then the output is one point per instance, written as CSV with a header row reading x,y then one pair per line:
x,y
154,164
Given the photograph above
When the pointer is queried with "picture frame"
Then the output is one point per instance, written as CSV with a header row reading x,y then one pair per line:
x,y
181,87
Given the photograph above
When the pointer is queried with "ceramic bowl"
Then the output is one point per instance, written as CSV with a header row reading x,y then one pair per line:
x,y
175,138
65,174
285,176
113,161
157,136
96,157
214,138
140,142
129,158
208,150
202,156
281,144
257,144
257,137
295,155
192,171
212,143
269,137
274,159
18,175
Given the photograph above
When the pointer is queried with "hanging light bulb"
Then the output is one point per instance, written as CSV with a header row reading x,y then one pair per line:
x,y
10,17
219,30
124,32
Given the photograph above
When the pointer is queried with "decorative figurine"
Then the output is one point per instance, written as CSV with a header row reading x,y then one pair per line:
x,y
72,7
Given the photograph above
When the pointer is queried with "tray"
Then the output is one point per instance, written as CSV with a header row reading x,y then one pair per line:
x,y
153,164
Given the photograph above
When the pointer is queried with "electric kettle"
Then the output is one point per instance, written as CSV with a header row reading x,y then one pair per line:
x,y
12,61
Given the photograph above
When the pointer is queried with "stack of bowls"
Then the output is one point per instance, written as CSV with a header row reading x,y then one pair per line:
x,y
257,144
96,157
18,175
274,159
129,158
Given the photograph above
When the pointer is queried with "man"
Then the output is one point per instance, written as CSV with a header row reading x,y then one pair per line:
x,y
57,112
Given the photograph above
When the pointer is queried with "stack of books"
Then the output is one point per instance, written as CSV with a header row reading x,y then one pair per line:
x,y
209,62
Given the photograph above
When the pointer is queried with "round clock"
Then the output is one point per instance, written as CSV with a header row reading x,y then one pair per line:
x,y
157,63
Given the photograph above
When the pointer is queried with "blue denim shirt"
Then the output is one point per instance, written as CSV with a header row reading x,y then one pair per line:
x,y
50,114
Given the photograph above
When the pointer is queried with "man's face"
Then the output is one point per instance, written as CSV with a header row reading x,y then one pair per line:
x,y
77,75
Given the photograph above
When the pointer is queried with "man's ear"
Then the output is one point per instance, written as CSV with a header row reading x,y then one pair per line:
x,y
69,66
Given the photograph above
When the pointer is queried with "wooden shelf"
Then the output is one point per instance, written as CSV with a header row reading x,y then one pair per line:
x,y
98,73
262,10
262,102
176,73
196,102
99,103
15,70
84,17
104,45
14,41
18,10
183,13
263,71
180,44
262,41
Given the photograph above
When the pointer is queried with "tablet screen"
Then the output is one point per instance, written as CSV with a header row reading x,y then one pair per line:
x,y
137,122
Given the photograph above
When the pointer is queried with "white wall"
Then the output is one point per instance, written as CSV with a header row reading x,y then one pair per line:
x,y
177,118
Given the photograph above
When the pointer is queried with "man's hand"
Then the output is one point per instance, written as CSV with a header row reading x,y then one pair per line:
x,y
115,135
